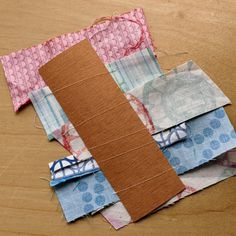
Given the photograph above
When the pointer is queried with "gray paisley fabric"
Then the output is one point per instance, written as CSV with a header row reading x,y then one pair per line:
x,y
183,93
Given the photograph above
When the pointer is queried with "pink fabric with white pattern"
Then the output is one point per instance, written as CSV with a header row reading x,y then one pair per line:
x,y
111,39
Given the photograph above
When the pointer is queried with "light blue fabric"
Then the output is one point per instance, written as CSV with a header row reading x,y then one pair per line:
x,y
134,70
48,109
81,197
209,136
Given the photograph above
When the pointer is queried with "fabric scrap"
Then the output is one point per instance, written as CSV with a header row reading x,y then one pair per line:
x,y
180,95
70,172
209,136
62,163
85,195
116,37
117,215
171,136
69,138
134,70
196,179
48,110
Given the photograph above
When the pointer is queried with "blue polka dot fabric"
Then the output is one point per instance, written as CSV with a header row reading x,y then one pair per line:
x,y
209,136
83,196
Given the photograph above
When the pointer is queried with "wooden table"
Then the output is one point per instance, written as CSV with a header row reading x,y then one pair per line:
x,y
206,30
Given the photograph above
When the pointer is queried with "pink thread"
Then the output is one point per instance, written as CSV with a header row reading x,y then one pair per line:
x,y
142,110
117,18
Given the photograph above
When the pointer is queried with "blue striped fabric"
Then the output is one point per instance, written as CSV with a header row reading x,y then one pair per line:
x,y
48,110
134,70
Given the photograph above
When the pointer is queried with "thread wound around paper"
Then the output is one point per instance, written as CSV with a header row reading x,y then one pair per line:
x,y
80,102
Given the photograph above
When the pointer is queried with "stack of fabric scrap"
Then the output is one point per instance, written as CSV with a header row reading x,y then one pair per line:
x,y
142,139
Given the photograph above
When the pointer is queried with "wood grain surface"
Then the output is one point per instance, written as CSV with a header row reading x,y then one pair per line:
x,y
205,30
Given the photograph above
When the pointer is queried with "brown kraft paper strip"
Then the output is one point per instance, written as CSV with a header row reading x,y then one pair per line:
x,y
129,157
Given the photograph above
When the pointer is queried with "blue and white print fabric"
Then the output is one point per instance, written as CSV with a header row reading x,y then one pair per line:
x,y
48,110
209,136
62,163
86,195
73,171
170,136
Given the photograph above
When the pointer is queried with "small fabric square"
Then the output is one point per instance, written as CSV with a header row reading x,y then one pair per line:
x,y
68,137
85,195
78,169
209,136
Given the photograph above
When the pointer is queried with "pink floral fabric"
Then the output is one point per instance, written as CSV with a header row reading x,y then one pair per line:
x,y
68,137
114,38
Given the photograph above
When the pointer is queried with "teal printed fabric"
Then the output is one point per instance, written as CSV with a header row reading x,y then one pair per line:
x,y
209,136
135,69
83,196
180,95
48,110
